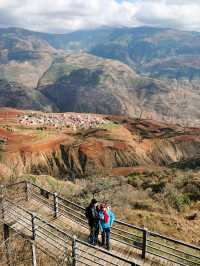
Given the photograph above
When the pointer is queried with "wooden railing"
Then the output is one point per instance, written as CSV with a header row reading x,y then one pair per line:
x,y
148,242
42,234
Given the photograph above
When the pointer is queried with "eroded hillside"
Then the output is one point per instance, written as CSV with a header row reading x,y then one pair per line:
x,y
111,145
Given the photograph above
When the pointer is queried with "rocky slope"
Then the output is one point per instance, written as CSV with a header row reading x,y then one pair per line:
x,y
161,53
84,83
19,96
23,57
120,145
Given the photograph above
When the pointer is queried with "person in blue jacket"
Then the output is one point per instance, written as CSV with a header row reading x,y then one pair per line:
x,y
107,219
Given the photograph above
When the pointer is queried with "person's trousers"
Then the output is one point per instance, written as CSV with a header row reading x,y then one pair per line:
x,y
105,234
94,232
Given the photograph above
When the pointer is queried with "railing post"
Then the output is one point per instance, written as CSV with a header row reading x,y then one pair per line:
x,y
33,216
144,243
33,249
55,204
6,234
27,190
74,247
2,201
65,251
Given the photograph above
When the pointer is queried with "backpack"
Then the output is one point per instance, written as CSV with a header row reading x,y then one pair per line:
x,y
106,216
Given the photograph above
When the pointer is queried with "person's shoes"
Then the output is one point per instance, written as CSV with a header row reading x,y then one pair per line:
x,y
102,244
89,240
108,247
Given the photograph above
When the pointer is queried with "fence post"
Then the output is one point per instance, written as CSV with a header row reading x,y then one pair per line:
x,y
27,190
2,201
33,216
55,204
144,243
6,236
33,250
65,251
74,246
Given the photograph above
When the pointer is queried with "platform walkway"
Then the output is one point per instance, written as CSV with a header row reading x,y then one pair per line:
x,y
56,220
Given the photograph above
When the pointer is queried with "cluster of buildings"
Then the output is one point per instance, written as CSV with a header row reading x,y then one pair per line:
x,y
70,120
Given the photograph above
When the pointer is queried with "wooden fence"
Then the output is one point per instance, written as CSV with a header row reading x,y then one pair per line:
x,y
63,247
148,242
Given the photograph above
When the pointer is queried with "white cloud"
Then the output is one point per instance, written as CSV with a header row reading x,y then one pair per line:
x,y
182,14
68,15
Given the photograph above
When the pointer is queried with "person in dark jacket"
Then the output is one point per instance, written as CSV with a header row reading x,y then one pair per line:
x,y
92,215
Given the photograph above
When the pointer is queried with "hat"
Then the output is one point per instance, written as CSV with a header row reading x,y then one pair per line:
x,y
93,201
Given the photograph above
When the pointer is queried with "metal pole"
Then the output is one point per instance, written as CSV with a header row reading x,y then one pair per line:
x,y
144,243
33,216
55,203
2,201
65,251
6,235
74,246
33,249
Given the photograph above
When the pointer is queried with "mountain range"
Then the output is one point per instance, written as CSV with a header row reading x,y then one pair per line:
x,y
144,71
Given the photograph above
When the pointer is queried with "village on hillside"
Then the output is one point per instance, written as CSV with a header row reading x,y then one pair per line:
x,y
62,120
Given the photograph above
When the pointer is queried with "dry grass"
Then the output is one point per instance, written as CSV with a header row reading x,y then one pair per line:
x,y
157,201
19,250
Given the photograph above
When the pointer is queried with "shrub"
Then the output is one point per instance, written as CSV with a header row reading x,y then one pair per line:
x,y
178,201
158,187
193,191
135,180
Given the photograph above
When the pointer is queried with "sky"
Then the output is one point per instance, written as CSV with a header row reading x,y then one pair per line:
x,y
60,16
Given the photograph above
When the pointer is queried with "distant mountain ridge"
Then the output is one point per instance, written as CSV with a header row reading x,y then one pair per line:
x,y
154,51
67,70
